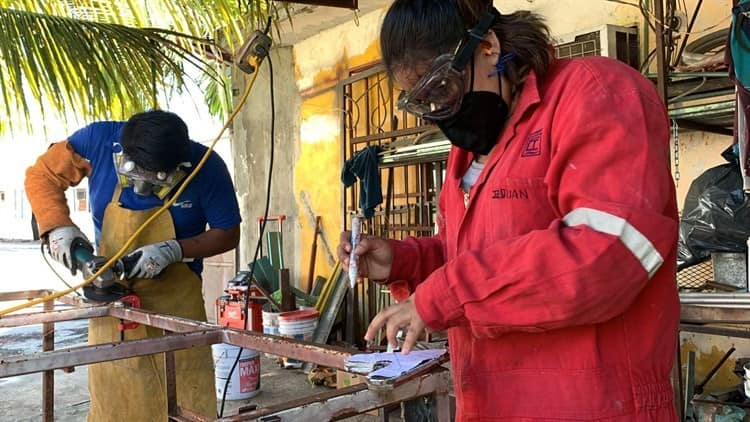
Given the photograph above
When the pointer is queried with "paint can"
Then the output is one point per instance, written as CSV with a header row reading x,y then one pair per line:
x,y
299,325
245,381
271,326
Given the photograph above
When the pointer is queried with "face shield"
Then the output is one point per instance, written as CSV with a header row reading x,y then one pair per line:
x,y
146,182
438,93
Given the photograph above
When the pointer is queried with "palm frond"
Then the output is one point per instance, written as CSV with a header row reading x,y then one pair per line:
x,y
103,70
105,59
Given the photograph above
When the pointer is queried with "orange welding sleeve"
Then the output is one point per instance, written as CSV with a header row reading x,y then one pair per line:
x,y
46,181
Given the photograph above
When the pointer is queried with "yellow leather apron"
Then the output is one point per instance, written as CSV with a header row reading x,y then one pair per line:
x,y
134,389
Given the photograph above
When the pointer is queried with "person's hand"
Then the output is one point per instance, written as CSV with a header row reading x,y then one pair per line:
x,y
375,256
151,260
397,317
61,242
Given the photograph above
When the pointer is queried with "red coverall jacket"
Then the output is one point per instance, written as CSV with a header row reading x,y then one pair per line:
x,y
555,276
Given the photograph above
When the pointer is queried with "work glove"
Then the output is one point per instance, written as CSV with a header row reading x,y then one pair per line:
x,y
151,260
62,241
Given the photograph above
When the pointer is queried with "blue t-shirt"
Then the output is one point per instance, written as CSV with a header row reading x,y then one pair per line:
x,y
209,199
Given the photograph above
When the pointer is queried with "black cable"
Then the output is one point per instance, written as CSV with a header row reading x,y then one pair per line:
x,y
260,232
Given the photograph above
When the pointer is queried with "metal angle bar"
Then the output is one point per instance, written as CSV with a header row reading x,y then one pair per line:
x,y
17,320
740,296
48,377
661,60
388,135
332,357
720,305
296,403
713,301
64,358
719,331
35,294
171,383
713,314
154,319
701,110
24,295
351,401
171,380
185,415
283,346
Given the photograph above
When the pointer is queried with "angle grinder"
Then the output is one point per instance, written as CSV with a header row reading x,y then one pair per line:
x,y
105,287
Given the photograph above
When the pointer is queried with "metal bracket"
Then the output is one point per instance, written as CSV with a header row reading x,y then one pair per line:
x,y
252,53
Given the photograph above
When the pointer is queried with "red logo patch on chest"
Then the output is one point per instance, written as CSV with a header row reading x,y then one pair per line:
x,y
533,144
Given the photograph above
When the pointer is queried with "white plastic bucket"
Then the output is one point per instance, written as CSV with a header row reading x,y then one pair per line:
x,y
299,325
271,326
245,381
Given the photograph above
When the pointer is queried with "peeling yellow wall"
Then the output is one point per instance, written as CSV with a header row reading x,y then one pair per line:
x,y
697,152
708,353
320,63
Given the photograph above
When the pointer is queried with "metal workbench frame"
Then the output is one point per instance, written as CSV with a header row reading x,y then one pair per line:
x,y
181,333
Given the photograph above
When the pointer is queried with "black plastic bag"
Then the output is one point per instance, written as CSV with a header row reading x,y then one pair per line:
x,y
716,214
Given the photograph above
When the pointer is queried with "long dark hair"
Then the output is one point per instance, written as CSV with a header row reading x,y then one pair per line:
x,y
416,31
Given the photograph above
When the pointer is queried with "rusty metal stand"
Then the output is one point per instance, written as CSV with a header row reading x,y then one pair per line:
x,y
181,333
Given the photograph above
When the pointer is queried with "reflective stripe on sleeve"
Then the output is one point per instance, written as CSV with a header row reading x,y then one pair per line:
x,y
634,240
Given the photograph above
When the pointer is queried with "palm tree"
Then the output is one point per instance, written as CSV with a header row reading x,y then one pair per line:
x,y
103,59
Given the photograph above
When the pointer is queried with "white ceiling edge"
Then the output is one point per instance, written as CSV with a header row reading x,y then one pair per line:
x,y
310,20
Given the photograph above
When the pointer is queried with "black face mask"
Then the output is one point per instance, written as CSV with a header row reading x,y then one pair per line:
x,y
477,125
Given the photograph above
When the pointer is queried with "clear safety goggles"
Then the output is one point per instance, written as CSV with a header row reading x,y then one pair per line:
x,y
439,92
159,182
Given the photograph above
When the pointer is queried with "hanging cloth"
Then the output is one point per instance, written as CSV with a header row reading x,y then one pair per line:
x,y
364,165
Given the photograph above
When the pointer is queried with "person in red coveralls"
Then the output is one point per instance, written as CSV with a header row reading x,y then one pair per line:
x,y
553,269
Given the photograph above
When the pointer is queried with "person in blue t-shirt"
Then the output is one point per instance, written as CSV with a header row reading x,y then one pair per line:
x,y
133,168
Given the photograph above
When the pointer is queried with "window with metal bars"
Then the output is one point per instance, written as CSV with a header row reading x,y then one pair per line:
x,y
411,164
411,161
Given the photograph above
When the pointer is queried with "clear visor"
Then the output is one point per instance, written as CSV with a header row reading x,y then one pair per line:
x,y
438,93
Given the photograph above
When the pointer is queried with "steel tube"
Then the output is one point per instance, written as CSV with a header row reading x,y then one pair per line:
x,y
153,319
332,357
37,362
661,60
351,401
715,315
18,320
48,377
737,296
24,295
713,330
36,294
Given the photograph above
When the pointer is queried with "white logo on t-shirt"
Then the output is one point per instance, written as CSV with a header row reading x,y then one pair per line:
x,y
183,204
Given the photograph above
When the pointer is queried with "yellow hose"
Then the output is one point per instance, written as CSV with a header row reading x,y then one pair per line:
x,y
140,229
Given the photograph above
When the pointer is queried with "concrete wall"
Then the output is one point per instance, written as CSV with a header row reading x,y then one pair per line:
x,y
320,62
251,140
